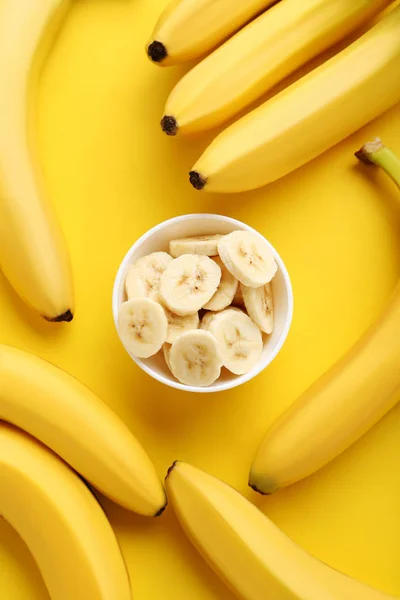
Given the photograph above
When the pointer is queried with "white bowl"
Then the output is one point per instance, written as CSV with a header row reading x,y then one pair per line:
x,y
158,239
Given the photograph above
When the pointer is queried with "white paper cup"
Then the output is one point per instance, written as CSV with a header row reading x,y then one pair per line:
x,y
157,239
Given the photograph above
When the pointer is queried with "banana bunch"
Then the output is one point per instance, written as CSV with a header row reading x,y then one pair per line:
x,y
62,523
302,121
308,117
347,401
33,254
248,552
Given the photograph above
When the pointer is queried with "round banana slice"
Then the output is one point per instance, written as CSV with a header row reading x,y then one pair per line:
x,y
207,245
143,278
210,318
240,340
188,283
143,326
226,290
195,358
248,258
178,325
260,306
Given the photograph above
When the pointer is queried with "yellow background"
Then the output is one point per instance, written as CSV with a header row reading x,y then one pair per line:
x,y
113,175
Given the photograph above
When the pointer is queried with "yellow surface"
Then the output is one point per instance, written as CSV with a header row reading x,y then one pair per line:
x,y
112,176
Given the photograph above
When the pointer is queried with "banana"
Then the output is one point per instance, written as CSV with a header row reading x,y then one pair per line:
x,y
143,278
226,290
188,283
60,521
178,325
308,117
206,245
258,57
260,306
247,550
239,339
345,402
248,257
33,254
195,358
143,326
68,418
187,29
208,317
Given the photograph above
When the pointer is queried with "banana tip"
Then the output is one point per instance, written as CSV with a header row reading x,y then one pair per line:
x,y
169,125
162,509
67,316
157,51
171,468
197,180
269,487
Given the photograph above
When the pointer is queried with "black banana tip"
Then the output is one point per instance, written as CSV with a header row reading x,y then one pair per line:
x,y
255,488
157,51
172,467
67,316
162,509
197,180
169,125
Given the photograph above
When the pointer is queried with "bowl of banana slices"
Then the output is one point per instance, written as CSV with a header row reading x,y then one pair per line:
x,y
202,302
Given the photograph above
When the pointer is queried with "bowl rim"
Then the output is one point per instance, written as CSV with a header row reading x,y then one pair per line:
x,y
239,379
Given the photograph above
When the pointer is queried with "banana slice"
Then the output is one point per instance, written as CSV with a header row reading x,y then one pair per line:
x,y
248,258
210,317
195,358
260,306
166,350
143,278
207,245
188,283
239,338
226,290
143,326
178,325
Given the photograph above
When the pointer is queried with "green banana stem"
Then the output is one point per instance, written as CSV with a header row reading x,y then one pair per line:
x,y
376,153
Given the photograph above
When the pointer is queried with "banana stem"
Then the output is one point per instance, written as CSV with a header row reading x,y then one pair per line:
x,y
376,153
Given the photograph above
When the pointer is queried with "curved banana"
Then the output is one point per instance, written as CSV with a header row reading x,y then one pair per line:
x,y
343,404
66,416
258,57
188,29
249,552
60,521
33,254
308,117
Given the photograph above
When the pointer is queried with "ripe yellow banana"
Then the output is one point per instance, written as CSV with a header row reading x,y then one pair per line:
x,y
188,29
250,554
308,117
259,56
346,402
60,521
33,254
66,416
